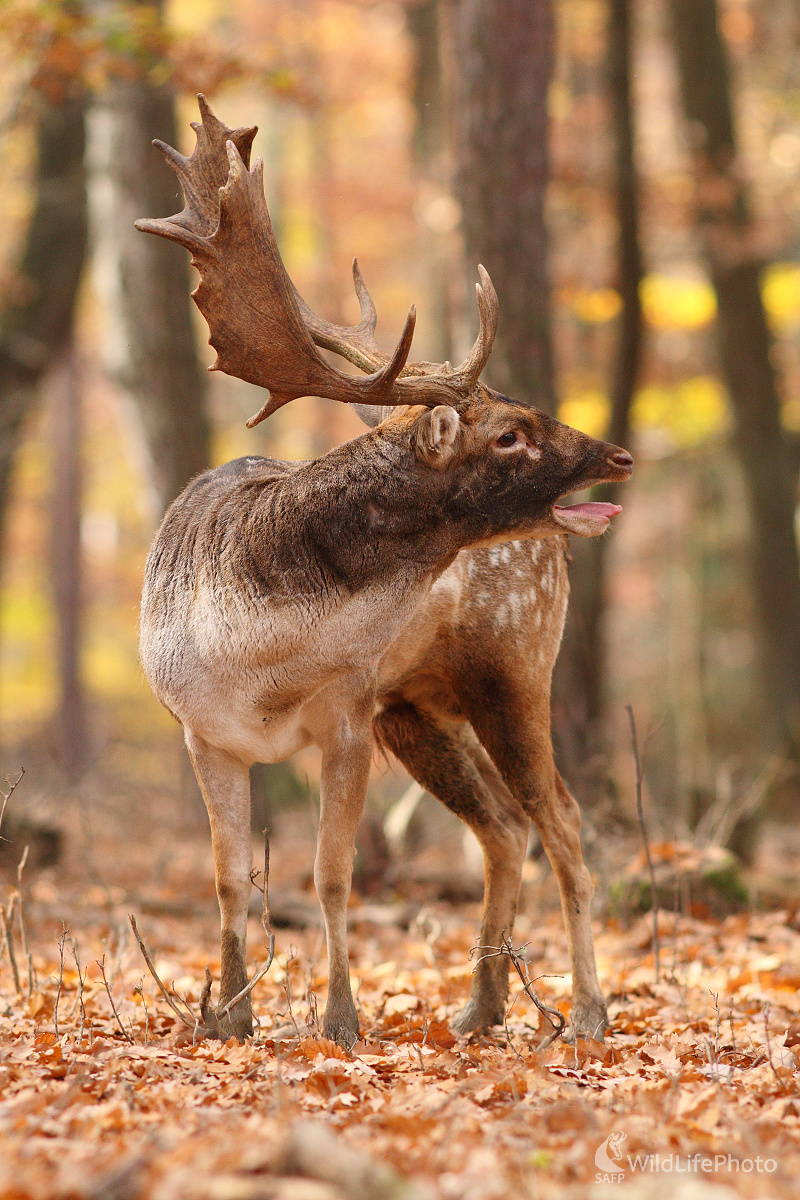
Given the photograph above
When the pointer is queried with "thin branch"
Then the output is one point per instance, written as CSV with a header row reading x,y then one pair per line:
x,y
190,1024
266,922
7,918
80,992
61,941
637,758
101,962
12,787
21,917
554,1018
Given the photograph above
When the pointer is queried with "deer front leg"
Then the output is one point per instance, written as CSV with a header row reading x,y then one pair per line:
x,y
346,758
225,784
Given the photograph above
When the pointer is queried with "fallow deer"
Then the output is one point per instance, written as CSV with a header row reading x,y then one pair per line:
x,y
408,587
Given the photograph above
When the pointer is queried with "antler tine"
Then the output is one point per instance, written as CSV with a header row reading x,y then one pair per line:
x,y
467,374
356,343
376,387
205,172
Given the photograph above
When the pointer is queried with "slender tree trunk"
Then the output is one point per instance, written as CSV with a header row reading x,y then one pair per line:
x,y
504,57
725,225
66,559
584,647
151,348
428,25
37,323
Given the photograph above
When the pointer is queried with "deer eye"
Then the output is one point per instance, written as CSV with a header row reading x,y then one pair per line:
x,y
507,439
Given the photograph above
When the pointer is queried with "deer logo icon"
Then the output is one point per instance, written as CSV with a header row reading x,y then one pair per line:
x,y
608,1157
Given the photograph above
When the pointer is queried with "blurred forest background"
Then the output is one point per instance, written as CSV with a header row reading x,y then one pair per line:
x,y
629,173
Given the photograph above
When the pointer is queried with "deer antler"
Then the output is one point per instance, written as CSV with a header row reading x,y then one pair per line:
x,y
357,343
261,328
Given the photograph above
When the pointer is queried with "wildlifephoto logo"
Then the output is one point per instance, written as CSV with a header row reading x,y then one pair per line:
x,y
608,1159
612,1163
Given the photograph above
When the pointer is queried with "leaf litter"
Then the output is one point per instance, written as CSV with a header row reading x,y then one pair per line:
x,y
104,1093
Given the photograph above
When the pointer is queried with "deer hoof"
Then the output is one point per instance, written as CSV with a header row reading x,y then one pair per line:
x,y
341,1025
237,1023
589,1020
473,1017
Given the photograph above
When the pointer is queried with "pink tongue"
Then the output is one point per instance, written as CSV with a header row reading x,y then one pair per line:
x,y
592,508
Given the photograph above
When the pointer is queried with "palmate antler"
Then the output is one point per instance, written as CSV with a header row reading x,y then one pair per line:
x,y
261,328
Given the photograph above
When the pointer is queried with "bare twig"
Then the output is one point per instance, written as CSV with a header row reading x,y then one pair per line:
x,y
637,757
101,962
80,992
21,918
554,1018
511,1045
287,983
188,1022
313,1010
12,787
266,923
7,918
715,998
61,941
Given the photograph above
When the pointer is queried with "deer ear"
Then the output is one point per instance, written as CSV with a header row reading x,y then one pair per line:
x,y
434,435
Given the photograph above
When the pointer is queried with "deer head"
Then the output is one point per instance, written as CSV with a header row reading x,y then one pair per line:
x,y
265,333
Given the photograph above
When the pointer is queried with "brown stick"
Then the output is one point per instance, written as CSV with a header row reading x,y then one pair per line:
x,y
80,992
7,917
553,1016
12,787
637,758
101,964
22,930
266,922
61,941
190,1024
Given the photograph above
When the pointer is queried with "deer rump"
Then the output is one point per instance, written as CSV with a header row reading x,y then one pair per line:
x,y
408,587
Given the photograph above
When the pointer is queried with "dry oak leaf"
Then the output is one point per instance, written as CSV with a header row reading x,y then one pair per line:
x,y
512,1088
402,1003
312,1048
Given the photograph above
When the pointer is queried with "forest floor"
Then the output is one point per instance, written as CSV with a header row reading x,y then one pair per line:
x,y
695,1093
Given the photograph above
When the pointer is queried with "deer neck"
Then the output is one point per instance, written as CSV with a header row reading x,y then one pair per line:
x,y
370,515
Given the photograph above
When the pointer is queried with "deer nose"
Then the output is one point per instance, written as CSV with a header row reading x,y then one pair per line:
x,y
621,458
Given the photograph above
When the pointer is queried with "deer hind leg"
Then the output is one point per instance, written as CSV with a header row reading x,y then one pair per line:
x,y
526,764
346,759
452,766
225,784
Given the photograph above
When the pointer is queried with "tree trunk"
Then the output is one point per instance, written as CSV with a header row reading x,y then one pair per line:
x,y
725,225
584,648
428,25
152,351
36,326
504,58
66,560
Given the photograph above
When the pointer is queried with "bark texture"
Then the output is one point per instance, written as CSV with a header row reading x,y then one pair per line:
x,y
67,561
151,351
725,225
504,57
36,325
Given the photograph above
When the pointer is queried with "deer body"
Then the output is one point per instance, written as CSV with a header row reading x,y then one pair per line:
x,y
409,587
